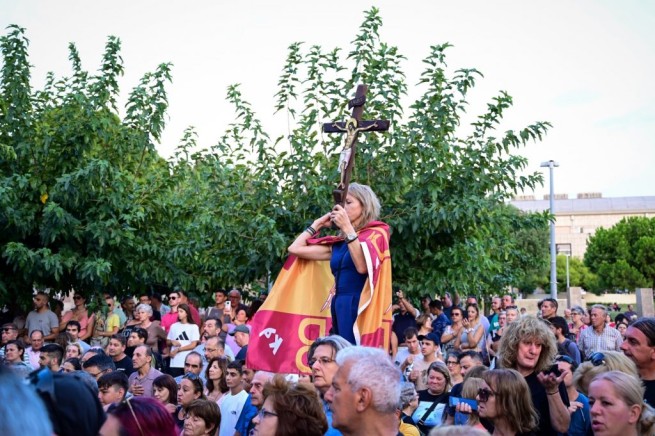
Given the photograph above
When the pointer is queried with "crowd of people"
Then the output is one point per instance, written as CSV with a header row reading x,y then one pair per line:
x,y
142,367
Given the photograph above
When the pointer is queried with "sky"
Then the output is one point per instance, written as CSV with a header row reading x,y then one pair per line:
x,y
585,66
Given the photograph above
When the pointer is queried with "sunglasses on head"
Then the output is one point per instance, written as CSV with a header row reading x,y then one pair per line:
x,y
597,359
191,376
564,358
484,394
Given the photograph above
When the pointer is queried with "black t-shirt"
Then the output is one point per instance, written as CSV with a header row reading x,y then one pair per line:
x,y
649,395
540,402
425,401
125,365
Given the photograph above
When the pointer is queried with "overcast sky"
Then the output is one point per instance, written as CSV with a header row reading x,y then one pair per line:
x,y
586,66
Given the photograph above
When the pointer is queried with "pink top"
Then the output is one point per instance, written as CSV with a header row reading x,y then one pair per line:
x,y
84,321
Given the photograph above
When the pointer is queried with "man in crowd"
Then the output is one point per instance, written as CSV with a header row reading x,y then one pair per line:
x,y
32,352
42,318
419,374
565,346
144,298
321,359
548,307
127,304
241,335
215,347
600,337
112,388
158,305
496,303
212,328
234,401
245,424
405,318
141,379
406,355
447,301
51,356
365,393
440,320
507,301
171,317
639,345
630,313
99,365
469,359
73,328
192,365
220,297
529,347
116,350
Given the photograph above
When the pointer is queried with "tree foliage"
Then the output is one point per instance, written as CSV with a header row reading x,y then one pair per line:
x,y
87,203
623,256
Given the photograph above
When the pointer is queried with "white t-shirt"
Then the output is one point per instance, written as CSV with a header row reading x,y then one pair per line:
x,y
231,408
185,333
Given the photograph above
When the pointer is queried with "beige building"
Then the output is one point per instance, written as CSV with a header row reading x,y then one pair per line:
x,y
577,219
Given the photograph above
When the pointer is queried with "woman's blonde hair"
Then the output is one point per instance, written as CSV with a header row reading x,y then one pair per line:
x,y
631,392
527,328
611,361
370,203
513,398
470,390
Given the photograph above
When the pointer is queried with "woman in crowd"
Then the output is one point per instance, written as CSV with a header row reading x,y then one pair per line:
x,y
138,416
183,337
63,339
472,335
455,369
505,400
80,314
203,418
216,386
14,355
190,389
289,410
142,315
346,253
73,351
599,363
434,399
617,406
454,330
622,327
164,390
470,390
424,324
409,403
71,365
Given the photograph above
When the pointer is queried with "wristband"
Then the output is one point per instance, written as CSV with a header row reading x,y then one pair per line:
x,y
552,393
311,230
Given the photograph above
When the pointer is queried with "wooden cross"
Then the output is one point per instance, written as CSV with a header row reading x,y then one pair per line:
x,y
352,127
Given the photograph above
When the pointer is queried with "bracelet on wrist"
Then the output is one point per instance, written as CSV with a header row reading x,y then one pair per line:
x,y
552,393
311,230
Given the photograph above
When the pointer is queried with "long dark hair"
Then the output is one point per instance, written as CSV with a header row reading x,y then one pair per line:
x,y
187,310
222,383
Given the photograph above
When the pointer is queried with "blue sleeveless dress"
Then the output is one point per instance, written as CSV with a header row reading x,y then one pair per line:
x,y
349,284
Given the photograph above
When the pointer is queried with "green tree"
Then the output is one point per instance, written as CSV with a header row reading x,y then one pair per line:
x,y
623,255
579,274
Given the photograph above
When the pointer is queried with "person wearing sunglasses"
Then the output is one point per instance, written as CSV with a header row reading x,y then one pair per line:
x,y
599,363
505,400
451,332
290,409
189,389
529,347
80,314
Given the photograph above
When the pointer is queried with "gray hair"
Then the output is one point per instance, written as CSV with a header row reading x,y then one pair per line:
x,y
371,368
601,307
145,308
407,392
336,342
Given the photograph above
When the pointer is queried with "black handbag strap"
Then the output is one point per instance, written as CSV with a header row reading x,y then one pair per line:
x,y
427,412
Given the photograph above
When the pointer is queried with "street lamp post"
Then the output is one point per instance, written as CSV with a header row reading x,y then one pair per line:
x,y
568,277
553,255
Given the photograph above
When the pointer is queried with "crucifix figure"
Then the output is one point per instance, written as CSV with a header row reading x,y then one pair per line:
x,y
352,127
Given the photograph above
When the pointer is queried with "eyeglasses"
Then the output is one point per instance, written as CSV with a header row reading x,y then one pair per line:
x,y
322,360
484,394
263,413
129,404
597,359
452,362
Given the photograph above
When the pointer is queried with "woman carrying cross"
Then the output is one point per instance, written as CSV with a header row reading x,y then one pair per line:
x,y
360,262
